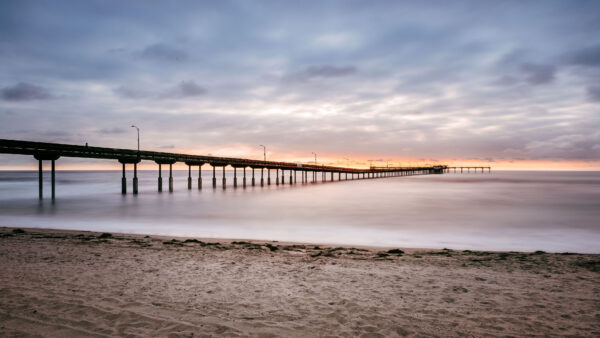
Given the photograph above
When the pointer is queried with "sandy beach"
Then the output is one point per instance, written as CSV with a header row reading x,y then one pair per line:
x,y
69,283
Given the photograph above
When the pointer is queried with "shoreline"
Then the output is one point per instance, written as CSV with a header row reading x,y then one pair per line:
x,y
324,244
66,283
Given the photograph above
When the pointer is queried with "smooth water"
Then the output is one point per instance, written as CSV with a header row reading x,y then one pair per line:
x,y
551,211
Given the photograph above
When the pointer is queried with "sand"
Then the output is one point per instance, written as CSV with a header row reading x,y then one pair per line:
x,y
68,283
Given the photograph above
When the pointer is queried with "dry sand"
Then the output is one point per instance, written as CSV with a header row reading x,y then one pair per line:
x,y
66,283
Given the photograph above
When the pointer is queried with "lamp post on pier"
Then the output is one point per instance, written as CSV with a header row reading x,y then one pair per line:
x,y
264,152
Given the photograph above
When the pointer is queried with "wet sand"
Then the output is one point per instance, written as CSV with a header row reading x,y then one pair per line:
x,y
71,283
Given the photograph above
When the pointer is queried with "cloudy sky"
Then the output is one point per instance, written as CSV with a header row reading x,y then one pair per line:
x,y
506,83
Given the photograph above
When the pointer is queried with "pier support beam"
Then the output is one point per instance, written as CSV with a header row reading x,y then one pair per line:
x,y
244,181
123,181
135,179
49,157
159,177
262,177
276,176
54,180
199,177
189,177
253,181
268,176
41,180
234,177
214,180
224,179
170,177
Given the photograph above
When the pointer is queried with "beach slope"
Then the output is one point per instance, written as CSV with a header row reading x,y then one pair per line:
x,y
69,283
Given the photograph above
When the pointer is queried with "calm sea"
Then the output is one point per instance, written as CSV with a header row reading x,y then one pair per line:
x,y
550,211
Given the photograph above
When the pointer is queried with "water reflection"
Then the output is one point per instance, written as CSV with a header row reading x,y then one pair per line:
x,y
552,211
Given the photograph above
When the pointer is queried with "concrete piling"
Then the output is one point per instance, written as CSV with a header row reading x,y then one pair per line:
x,y
224,179
54,180
244,181
170,177
199,177
214,179
234,177
159,177
189,177
135,179
123,181
41,180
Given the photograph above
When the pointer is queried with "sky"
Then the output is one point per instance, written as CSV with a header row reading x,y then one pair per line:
x,y
511,84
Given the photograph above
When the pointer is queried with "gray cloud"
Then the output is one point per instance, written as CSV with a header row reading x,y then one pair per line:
x,y
112,131
25,92
132,93
593,93
321,71
329,71
589,56
536,74
163,52
185,89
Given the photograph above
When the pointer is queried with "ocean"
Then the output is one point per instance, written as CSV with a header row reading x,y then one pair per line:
x,y
501,210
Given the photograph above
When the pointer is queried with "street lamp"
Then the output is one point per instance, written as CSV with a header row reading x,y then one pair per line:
x,y
264,152
138,135
315,157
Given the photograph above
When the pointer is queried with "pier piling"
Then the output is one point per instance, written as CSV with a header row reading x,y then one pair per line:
x,y
53,177
189,177
170,177
40,180
234,177
159,177
214,179
135,179
199,177
123,181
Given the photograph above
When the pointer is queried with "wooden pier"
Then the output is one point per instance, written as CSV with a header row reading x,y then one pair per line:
x,y
53,151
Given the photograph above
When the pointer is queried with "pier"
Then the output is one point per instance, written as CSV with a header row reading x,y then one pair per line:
x,y
468,169
43,151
